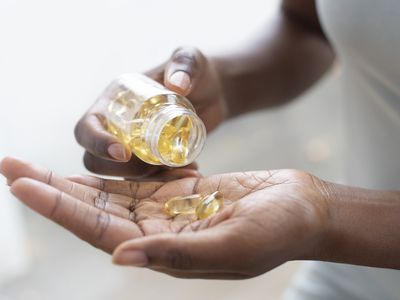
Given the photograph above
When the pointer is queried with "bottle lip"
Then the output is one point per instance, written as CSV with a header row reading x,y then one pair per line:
x,y
161,119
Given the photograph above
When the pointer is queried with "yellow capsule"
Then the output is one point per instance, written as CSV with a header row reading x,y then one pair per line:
x,y
210,205
182,204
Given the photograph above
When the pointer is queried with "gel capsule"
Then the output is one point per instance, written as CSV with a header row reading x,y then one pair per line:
x,y
182,204
210,205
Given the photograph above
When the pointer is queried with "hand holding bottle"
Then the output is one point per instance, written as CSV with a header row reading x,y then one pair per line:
x,y
187,72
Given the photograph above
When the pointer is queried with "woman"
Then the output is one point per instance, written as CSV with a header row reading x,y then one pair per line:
x,y
276,216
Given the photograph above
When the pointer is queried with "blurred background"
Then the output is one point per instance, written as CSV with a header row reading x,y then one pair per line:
x,y
55,59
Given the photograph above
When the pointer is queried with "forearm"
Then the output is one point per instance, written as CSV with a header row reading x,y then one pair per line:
x,y
289,58
363,227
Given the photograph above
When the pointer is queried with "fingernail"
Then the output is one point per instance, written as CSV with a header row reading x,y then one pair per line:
x,y
118,152
180,79
134,258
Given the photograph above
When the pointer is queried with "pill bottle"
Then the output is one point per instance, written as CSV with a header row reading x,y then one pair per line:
x,y
159,126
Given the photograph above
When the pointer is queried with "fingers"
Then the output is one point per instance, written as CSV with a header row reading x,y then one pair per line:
x,y
211,250
137,169
133,168
90,131
113,203
132,189
180,73
190,73
13,168
95,226
184,69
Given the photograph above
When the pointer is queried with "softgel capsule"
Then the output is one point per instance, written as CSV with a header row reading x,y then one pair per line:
x,y
203,206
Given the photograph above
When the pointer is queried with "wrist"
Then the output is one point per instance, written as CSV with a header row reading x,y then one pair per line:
x,y
317,220
325,237
361,227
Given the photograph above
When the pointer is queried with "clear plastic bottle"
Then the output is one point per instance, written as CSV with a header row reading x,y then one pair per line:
x,y
159,126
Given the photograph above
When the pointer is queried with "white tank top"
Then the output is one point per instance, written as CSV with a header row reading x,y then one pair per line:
x,y
366,37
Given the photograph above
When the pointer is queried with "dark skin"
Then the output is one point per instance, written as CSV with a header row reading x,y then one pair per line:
x,y
271,216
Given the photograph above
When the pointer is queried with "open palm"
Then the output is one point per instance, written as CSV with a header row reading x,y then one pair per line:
x,y
269,218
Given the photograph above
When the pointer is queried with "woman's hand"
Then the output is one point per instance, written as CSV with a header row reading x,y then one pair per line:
x,y
187,72
270,217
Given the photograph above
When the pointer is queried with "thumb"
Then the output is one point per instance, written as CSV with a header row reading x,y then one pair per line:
x,y
184,69
206,250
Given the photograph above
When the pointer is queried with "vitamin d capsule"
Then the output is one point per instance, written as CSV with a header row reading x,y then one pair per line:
x,y
159,126
210,205
182,204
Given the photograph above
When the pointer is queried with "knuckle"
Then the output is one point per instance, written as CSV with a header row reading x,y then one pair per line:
x,y
49,177
101,200
103,220
176,259
56,207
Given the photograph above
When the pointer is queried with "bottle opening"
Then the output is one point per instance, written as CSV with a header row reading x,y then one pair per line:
x,y
176,136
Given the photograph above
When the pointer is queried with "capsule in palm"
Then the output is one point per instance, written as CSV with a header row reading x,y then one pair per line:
x,y
210,205
182,204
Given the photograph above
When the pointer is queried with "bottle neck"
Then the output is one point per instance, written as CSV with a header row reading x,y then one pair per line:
x,y
175,135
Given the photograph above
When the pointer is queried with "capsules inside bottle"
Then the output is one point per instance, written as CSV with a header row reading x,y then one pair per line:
x,y
160,127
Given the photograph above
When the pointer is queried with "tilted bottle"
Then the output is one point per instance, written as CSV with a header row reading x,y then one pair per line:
x,y
159,126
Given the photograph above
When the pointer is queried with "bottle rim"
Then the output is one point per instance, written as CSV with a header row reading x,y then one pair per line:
x,y
161,119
